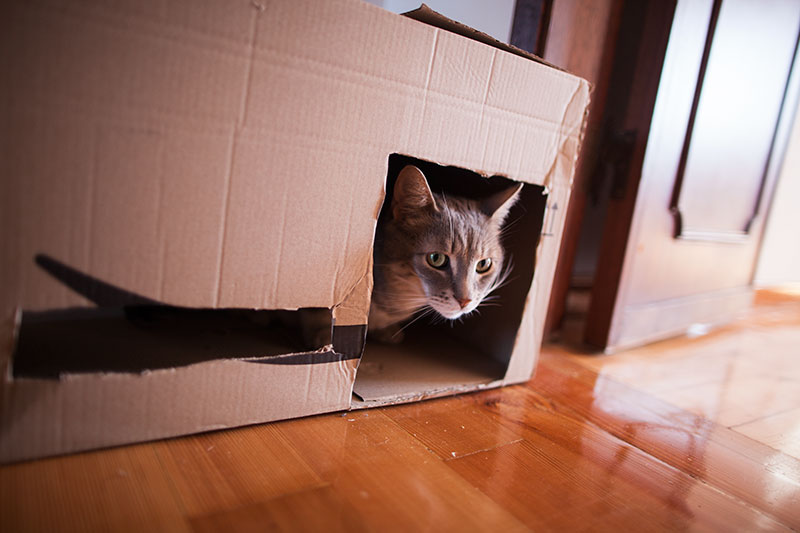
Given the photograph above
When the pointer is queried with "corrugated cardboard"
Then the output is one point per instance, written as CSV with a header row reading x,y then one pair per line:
x,y
235,155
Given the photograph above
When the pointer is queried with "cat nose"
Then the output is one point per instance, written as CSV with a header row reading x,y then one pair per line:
x,y
463,302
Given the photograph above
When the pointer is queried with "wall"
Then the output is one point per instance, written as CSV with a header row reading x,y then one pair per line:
x,y
493,17
779,262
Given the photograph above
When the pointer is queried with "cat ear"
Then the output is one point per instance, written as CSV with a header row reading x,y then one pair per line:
x,y
498,205
412,193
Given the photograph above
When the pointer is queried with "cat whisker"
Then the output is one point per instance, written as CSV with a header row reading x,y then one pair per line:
x,y
503,278
420,315
509,226
416,301
408,299
504,283
438,319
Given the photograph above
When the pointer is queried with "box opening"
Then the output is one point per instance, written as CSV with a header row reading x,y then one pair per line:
x,y
140,338
437,357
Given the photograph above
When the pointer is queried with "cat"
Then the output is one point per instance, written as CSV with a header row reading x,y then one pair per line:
x,y
435,254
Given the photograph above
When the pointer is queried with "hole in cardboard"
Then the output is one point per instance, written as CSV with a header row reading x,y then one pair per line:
x,y
435,358
150,337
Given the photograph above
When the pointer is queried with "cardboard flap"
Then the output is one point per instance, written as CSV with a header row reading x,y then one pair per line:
x,y
428,16
354,309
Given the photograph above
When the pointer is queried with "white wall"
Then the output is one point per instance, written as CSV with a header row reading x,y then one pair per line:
x,y
489,16
779,262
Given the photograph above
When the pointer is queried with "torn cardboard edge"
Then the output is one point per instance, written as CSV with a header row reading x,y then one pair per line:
x,y
135,340
431,394
490,353
433,18
347,341
351,311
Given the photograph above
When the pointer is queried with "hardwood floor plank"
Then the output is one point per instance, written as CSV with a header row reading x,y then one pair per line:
x,y
780,431
552,488
749,372
583,459
230,469
734,464
390,478
319,509
738,400
452,427
122,489
671,365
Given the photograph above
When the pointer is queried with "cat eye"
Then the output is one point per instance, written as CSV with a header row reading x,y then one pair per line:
x,y
483,265
437,260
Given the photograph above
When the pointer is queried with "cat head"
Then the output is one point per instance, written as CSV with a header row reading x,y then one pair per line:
x,y
453,243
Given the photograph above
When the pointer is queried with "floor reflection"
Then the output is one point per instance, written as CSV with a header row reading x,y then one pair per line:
x,y
723,408
745,376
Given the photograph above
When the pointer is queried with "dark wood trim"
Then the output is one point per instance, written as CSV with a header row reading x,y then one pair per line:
x,y
644,34
544,27
530,24
595,23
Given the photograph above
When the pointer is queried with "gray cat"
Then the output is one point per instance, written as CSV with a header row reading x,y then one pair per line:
x,y
436,254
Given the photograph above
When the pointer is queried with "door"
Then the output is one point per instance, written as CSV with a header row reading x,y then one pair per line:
x,y
684,249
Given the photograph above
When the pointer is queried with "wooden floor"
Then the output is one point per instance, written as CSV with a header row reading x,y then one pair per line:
x,y
697,434
745,377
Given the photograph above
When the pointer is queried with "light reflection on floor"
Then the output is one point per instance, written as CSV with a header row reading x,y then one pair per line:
x,y
745,376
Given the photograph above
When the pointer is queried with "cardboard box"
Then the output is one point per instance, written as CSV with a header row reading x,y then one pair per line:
x,y
170,169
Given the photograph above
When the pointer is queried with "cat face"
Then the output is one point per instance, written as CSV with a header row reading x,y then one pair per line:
x,y
453,243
